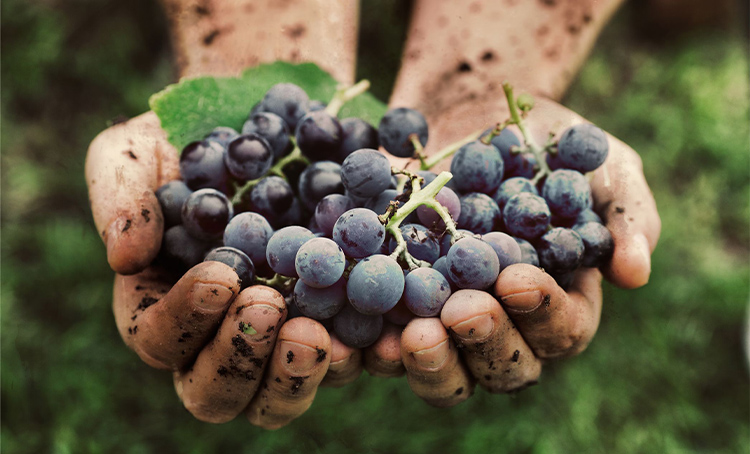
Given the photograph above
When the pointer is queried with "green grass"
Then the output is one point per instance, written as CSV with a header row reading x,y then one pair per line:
x,y
666,373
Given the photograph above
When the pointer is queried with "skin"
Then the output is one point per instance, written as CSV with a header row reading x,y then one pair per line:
x,y
477,336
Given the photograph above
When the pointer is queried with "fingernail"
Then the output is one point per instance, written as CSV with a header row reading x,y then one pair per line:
x,y
643,248
258,321
523,301
434,357
300,358
475,328
210,296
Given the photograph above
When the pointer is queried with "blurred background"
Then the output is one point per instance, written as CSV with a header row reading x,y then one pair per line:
x,y
667,372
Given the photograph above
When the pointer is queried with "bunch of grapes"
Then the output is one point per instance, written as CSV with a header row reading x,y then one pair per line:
x,y
304,202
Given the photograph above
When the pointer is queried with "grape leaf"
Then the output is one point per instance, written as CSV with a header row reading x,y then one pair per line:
x,y
191,108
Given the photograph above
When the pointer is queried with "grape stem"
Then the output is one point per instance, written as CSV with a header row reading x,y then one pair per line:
x,y
295,155
448,151
418,149
345,94
278,281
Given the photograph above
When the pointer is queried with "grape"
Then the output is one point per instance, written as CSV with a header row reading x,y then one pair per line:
x,y
588,215
477,167
355,329
560,250
583,148
248,157
293,216
292,171
441,265
479,213
288,101
420,243
171,197
320,262
511,187
319,136
316,105
272,128
445,241
223,135
597,242
448,199
379,204
567,193
526,216
272,197
473,264
317,181
359,202
356,135
553,161
503,142
427,175
249,232
526,167
202,166
528,253
375,285
329,209
179,247
425,292
235,259
282,247
359,232
400,314
320,303
205,214
366,173
395,128
508,250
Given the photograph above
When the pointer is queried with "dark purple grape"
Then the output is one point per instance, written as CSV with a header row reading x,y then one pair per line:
x,y
272,197
567,193
329,209
366,173
479,213
473,264
588,215
379,204
320,303
375,285
320,262
171,197
526,216
356,135
281,250
181,250
223,135
288,101
420,242
597,242
206,213
511,187
508,250
504,142
526,167
249,232
528,252
448,199
441,265
447,238
272,128
202,166
395,128
317,181
235,259
359,232
477,167
560,250
425,292
583,148
355,329
248,157
319,136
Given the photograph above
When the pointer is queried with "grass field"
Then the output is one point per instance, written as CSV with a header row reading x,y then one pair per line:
x,y
667,372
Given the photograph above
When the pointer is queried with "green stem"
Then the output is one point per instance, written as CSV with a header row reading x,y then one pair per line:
x,y
531,144
276,281
495,131
346,94
418,149
450,224
448,151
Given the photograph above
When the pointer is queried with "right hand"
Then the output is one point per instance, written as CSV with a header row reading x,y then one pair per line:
x,y
192,327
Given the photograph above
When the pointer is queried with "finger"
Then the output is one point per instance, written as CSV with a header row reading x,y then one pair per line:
x,y
124,166
553,323
433,368
383,358
168,331
490,344
346,364
229,369
298,364
627,205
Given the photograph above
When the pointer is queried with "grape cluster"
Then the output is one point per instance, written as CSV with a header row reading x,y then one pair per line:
x,y
303,201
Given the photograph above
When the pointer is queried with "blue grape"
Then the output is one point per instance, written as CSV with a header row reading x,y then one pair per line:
x,y
583,148
282,247
171,197
526,167
425,292
320,262
473,264
235,259
597,242
395,128
567,193
588,215
511,187
528,252
205,214
508,250
272,128
477,167
328,211
379,204
441,265
554,162
288,101
319,136
202,166
446,240
560,250
317,181
222,134
366,173
448,199
420,242
249,232
181,249
359,232
359,202
503,142
479,213
375,285
355,329
356,135
526,216
320,303
272,197
248,157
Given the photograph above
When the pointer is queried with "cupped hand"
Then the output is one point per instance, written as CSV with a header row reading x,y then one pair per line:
x,y
502,341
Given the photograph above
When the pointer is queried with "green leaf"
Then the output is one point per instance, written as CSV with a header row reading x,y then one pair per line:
x,y
191,108
247,328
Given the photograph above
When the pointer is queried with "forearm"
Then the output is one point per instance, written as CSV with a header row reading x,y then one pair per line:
x,y
222,37
461,52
